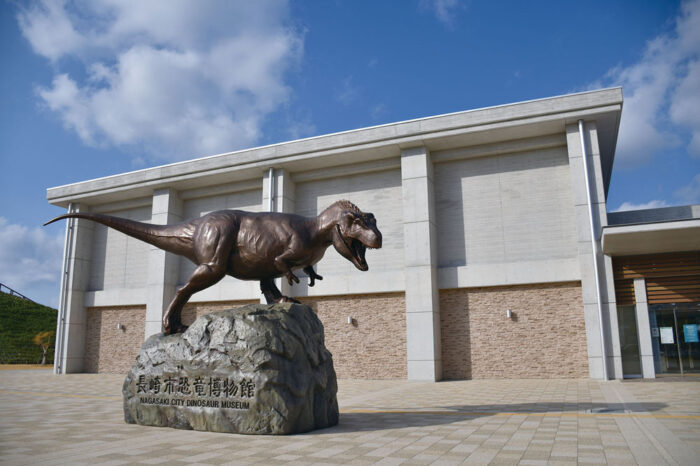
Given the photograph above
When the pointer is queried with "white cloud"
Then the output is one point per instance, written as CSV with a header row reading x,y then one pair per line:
x,y
300,127
30,260
655,204
49,30
179,79
685,105
661,93
444,10
690,193
348,92
378,110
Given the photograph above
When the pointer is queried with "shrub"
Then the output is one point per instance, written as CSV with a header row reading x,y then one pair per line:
x,y
20,322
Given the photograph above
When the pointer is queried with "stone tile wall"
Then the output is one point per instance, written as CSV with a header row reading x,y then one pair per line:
x,y
546,338
109,349
374,345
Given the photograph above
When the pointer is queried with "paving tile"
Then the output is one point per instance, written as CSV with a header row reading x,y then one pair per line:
x,y
390,461
505,459
77,419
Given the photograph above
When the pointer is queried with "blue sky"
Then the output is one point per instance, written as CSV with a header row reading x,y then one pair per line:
x,y
91,89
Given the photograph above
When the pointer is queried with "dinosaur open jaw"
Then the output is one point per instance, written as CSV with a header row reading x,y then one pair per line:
x,y
355,251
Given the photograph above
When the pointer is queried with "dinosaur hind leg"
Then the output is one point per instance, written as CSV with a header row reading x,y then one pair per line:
x,y
272,293
204,276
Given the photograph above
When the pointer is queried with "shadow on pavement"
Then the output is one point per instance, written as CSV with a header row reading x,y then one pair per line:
x,y
395,417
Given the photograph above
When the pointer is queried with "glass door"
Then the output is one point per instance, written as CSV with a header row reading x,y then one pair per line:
x,y
687,323
675,338
629,341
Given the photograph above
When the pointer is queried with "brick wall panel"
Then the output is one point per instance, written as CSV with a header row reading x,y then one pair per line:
x,y
109,349
374,346
545,339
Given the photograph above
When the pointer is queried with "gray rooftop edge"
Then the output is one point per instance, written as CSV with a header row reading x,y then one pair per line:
x,y
404,133
657,215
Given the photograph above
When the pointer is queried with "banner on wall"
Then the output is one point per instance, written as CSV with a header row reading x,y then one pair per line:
x,y
666,335
690,332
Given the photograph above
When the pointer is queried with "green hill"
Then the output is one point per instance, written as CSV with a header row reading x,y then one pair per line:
x,y
20,321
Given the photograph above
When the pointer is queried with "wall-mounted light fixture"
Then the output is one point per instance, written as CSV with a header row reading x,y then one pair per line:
x,y
349,320
120,327
509,314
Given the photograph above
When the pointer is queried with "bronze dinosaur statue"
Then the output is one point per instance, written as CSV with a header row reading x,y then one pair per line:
x,y
252,246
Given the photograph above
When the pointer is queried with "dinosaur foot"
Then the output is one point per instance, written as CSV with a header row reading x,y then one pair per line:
x,y
178,327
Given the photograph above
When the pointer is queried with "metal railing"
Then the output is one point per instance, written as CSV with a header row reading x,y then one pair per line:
x,y
12,292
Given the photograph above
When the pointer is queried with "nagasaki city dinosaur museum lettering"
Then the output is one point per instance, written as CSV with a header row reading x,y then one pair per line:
x,y
200,392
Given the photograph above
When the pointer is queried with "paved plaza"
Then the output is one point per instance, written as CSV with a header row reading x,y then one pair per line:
x,y
77,419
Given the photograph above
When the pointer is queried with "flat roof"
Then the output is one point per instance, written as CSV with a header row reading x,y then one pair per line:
x,y
461,129
652,231
652,238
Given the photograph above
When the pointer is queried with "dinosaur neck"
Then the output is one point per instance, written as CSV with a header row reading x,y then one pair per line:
x,y
325,223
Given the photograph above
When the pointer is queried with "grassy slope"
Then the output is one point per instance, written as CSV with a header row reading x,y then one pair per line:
x,y
20,320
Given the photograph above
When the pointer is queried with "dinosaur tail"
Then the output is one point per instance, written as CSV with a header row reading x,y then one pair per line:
x,y
162,236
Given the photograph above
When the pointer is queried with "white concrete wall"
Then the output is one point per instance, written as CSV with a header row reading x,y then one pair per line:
x,y
506,219
72,319
591,256
118,261
163,266
379,193
646,347
423,341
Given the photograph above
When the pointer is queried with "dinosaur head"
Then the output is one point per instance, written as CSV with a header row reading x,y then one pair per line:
x,y
353,232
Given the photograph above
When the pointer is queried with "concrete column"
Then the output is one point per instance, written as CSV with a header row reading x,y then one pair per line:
x,y
283,192
646,351
283,200
163,267
586,254
423,350
71,325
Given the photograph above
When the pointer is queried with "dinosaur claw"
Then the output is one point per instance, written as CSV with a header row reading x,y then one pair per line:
x,y
292,279
313,276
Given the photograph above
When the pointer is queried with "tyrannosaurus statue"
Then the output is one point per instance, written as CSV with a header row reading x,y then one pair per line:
x,y
252,246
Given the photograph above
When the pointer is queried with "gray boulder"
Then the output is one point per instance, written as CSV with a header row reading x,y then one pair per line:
x,y
258,369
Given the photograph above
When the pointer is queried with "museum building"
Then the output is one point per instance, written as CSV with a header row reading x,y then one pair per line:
x,y
499,258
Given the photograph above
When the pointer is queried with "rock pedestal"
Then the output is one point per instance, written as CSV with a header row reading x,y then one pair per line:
x,y
258,369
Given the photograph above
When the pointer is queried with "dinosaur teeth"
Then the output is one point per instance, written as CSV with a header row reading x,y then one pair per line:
x,y
359,249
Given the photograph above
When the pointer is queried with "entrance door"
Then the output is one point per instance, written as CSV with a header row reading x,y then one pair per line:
x,y
676,343
629,341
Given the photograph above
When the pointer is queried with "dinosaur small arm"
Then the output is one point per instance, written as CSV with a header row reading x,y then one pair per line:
x,y
252,246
